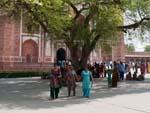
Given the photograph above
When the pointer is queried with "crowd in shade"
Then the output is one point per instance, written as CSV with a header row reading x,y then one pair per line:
x,y
63,74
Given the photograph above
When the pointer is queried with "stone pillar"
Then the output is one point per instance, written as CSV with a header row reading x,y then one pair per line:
x,y
20,47
42,49
118,51
39,43
53,51
67,55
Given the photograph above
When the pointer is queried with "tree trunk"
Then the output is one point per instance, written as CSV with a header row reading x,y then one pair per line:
x,y
84,58
79,61
75,58
83,61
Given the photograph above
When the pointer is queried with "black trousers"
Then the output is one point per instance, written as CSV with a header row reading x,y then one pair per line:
x,y
54,92
71,88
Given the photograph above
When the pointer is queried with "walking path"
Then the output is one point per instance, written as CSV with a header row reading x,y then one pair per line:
x,y
30,95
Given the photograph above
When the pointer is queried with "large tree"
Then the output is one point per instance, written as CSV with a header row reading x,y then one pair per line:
x,y
81,23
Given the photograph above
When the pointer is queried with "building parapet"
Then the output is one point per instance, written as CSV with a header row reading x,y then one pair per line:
x,y
10,59
20,59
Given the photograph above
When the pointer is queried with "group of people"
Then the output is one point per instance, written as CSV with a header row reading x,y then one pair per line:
x,y
70,77
120,70
115,72
98,69
135,75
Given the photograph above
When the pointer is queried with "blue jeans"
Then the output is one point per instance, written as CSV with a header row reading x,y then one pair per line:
x,y
121,75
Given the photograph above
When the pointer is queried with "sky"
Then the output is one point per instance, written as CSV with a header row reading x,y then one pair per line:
x,y
138,43
135,39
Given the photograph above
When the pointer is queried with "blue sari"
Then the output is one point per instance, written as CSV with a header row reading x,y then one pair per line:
x,y
86,83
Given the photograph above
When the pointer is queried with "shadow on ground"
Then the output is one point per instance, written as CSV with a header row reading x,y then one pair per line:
x,y
33,93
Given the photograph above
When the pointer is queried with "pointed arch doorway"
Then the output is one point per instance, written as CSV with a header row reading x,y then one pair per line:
x,y
61,54
30,51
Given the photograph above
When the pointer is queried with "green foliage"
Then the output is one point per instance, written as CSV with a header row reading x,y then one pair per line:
x,y
130,48
17,74
106,48
57,20
135,11
147,48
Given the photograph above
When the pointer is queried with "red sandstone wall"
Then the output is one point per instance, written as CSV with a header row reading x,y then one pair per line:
x,y
11,37
9,41
118,51
1,35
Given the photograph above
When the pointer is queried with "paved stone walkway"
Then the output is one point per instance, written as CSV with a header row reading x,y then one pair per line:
x,y
30,95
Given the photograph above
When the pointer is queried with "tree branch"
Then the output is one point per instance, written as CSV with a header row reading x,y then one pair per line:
x,y
28,7
85,6
91,14
76,11
73,6
114,2
117,2
133,26
93,43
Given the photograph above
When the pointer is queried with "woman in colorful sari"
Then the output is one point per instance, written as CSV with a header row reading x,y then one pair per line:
x,y
87,81
71,77
115,75
55,83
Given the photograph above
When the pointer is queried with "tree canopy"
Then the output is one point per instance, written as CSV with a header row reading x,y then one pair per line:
x,y
82,23
147,48
130,48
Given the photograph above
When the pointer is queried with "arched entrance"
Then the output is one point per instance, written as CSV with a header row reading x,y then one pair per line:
x,y
61,54
61,57
30,51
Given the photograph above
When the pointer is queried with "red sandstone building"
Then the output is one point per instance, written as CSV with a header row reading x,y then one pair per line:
x,y
22,51
19,50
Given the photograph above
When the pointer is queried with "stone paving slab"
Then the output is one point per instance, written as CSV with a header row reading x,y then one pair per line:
x,y
30,95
